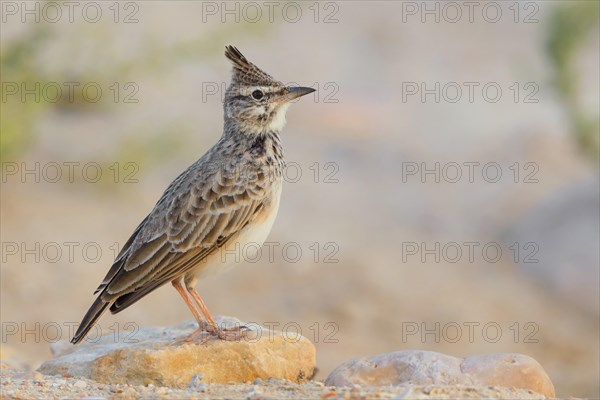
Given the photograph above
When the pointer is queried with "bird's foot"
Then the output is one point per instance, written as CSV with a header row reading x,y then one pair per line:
x,y
202,329
233,334
189,338
205,332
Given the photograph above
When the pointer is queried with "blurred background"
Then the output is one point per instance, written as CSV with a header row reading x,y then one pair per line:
x,y
442,194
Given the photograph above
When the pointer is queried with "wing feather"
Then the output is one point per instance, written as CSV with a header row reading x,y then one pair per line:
x,y
194,224
145,252
128,278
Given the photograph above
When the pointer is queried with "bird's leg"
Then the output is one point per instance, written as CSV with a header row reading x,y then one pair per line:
x,y
203,326
191,290
231,334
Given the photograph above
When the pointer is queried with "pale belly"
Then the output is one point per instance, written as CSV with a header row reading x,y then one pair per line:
x,y
243,248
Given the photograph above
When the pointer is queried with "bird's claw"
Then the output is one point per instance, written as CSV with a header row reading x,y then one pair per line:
x,y
233,334
204,333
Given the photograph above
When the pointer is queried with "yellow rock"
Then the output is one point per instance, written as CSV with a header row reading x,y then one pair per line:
x,y
154,359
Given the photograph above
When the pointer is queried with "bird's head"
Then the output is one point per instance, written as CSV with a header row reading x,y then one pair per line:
x,y
254,101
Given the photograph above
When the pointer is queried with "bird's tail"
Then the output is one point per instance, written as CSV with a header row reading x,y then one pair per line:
x,y
90,318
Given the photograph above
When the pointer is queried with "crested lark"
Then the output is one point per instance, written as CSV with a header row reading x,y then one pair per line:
x,y
226,199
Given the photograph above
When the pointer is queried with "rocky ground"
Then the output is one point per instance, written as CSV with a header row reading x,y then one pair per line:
x,y
266,367
19,384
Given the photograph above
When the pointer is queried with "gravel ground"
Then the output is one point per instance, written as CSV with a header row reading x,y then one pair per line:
x,y
23,384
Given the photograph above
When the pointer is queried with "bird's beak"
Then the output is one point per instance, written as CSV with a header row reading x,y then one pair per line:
x,y
294,92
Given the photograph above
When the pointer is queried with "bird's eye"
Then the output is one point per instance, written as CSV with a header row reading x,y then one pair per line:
x,y
257,95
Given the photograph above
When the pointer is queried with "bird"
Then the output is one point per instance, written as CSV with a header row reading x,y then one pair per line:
x,y
226,199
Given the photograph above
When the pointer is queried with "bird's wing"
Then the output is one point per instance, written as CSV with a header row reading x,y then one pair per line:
x,y
198,216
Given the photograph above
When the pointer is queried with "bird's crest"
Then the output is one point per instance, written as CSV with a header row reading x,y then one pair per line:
x,y
244,72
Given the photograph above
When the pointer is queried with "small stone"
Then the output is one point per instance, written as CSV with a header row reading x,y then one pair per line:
x,y
253,394
36,376
80,384
161,390
327,394
196,382
276,381
59,382
127,393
